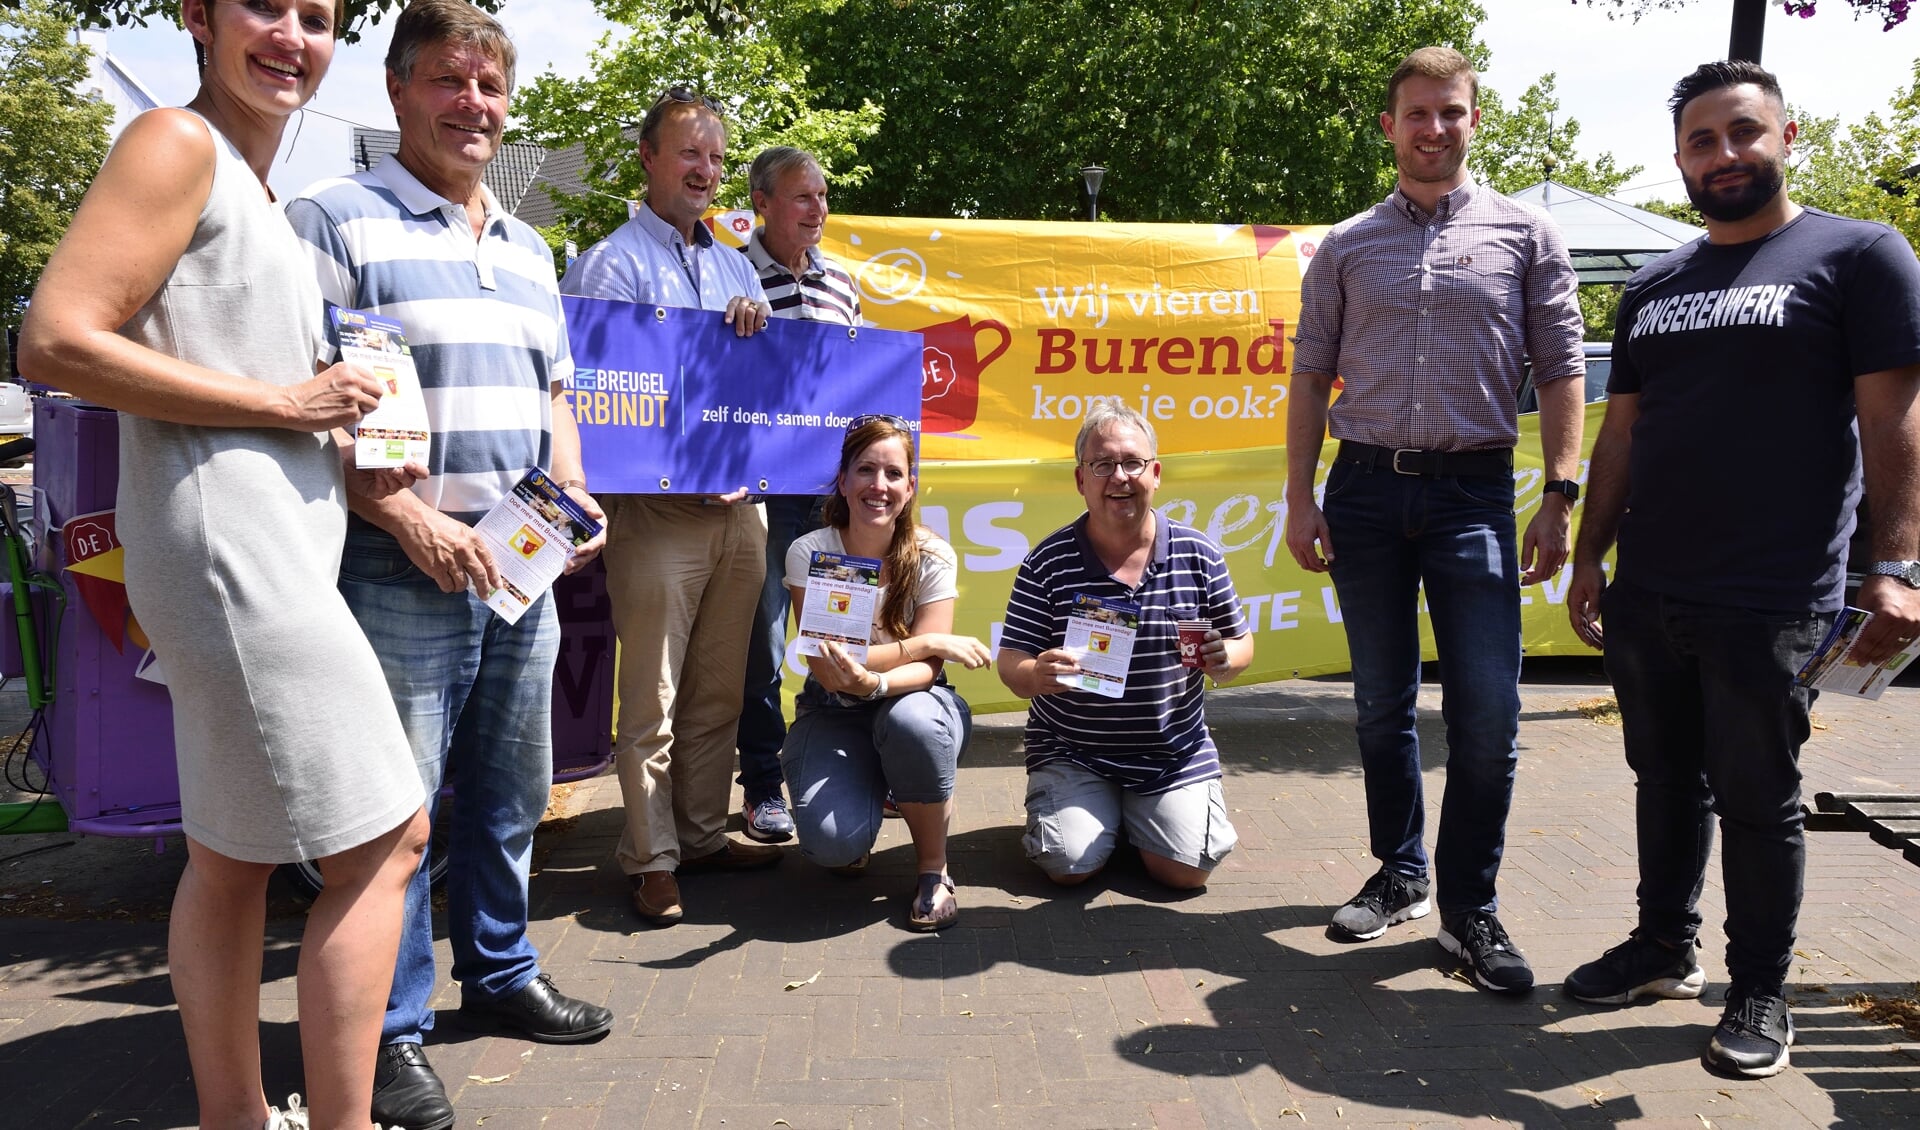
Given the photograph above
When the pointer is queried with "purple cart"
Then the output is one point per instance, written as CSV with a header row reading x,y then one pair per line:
x,y
108,744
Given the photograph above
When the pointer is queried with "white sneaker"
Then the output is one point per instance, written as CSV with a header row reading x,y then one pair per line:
x,y
295,1117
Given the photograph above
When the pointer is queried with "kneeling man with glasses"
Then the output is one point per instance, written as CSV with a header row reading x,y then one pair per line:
x,y
1116,734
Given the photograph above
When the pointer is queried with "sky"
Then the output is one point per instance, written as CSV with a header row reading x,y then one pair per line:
x,y
1612,75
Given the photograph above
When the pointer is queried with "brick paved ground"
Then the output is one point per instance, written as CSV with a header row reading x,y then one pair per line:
x,y
1111,1006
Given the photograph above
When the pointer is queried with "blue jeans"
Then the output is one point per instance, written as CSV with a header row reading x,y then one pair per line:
x,y
841,761
1391,534
475,694
763,721
1713,724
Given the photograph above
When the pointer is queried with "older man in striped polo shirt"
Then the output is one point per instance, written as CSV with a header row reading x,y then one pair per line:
x,y
790,194
420,239
1144,761
1429,305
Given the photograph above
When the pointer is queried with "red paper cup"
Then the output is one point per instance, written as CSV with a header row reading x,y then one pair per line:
x,y
1193,634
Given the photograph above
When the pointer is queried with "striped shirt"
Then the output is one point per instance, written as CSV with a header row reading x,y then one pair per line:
x,y
822,293
482,320
646,260
1154,737
1428,320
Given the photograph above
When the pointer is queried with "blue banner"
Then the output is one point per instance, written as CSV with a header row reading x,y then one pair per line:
x,y
669,401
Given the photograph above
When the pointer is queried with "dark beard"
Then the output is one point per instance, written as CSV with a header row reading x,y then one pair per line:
x,y
1765,179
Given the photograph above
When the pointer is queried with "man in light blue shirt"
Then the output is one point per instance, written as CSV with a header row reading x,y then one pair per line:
x,y
683,571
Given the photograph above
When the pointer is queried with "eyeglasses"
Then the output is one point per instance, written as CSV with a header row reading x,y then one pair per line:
x,y
859,422
688,94
1104,468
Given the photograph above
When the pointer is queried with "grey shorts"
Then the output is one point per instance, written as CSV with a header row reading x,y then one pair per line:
x,y
1074,814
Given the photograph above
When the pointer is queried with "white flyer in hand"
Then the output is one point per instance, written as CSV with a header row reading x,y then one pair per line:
x,y
396,432
532,533
841,594
1833,668
1100,636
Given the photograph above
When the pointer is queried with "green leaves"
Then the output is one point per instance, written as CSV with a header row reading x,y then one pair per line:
x,y
109,13
1515,148
762,84
1234,110
1230,111
52,141
1867,169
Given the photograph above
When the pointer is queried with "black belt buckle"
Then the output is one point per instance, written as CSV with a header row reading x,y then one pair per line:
x,y
1414,451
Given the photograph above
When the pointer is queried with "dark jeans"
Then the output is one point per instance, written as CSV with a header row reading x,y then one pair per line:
x,y
1713,724
1391,534
763,725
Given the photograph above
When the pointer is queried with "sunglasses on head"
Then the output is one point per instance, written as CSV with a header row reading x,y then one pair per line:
x,y
884,417
688,94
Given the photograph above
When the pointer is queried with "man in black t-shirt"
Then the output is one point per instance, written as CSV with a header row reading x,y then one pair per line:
x,y
1729,466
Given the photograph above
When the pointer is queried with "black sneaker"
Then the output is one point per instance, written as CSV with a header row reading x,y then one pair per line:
x,y
1638,967
1752,1037
1479,940
1388,899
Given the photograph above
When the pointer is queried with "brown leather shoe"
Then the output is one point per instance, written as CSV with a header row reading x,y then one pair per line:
x,y
735,856
656,897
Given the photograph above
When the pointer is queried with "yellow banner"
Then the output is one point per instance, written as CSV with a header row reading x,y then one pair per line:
x,y
1026,322
995,512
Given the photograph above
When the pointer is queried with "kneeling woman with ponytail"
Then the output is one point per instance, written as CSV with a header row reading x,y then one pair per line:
x,y
890,723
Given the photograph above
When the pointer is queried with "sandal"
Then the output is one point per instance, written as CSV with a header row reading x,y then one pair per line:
x,y
923,915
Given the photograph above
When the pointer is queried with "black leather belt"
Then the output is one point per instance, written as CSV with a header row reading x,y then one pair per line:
x,y
1495,463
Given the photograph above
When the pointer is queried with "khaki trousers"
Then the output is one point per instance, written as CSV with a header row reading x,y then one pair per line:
x,y
683,579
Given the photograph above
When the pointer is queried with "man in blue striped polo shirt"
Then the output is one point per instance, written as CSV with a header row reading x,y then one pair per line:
x,y
1144,761
421,240
790,194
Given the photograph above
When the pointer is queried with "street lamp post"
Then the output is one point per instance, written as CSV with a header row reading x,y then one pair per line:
x,y
1091,176
1749,29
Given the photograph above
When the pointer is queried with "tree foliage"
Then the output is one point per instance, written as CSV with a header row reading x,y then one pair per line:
x,y
1866,170
1518,147
1231,110
755,77
1869,169
1891,13
52,141
123,13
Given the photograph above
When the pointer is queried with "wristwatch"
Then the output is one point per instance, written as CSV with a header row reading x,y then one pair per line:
x,y
1906,572
1562,486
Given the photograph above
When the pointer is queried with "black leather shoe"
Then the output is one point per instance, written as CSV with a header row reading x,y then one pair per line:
x,y
407,1095
539,1012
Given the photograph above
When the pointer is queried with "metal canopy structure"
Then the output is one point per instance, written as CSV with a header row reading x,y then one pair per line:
x,y
1607,239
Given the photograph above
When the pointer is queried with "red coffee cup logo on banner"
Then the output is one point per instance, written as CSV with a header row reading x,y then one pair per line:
x,y
950,368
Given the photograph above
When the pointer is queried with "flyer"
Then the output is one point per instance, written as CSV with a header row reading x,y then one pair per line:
x,y
1833,668
842,592
1100,635
397,431
532,533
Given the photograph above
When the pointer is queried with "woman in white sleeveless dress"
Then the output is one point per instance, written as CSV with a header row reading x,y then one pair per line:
x,y
181,298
